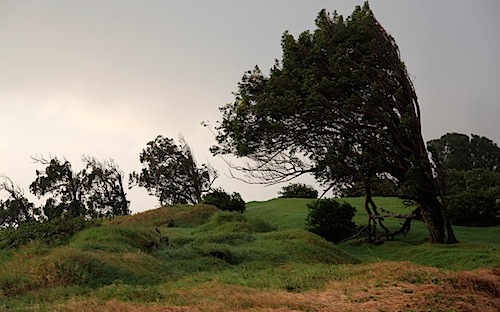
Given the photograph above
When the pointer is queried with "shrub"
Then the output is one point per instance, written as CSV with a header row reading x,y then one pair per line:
x,y
53,232
331,220
473,209
222,200
298,190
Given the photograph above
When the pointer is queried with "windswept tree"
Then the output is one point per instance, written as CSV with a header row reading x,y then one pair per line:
x,y
16,209
62,185
105,191
171,174
339,105
95,191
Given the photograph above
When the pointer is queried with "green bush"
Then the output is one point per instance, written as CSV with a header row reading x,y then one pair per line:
x,y
473,209
54,232
298,190
222,200
331,220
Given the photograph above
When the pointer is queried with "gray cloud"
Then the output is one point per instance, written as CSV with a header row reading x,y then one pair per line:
x,y
104,78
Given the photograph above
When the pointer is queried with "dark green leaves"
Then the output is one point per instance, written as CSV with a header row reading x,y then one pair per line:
x,y
171,174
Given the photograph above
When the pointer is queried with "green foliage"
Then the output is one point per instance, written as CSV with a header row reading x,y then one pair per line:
x,y
473,209
472,196
171,174
298,190
93,192
331,220
16,209
51,232
339,104
468,173
65,186
224,201
451,151
483,180
105,192
458,151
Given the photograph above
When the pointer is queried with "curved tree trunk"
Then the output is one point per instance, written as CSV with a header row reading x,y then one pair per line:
x,y
433,211
440,230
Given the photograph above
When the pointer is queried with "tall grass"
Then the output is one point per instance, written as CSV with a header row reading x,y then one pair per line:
x,y
156,254
170,244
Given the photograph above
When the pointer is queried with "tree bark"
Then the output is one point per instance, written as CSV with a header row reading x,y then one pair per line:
x,y
433,214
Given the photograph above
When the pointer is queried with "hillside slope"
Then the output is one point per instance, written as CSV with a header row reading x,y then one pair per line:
x,y
197,258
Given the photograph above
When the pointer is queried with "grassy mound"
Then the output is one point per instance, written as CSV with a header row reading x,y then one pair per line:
x,y
174,244
206,259
179,216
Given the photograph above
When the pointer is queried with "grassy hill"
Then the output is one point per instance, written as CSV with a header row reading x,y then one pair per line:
x,y
186,258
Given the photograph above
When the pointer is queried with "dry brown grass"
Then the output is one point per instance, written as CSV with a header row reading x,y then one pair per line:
x,y
387,286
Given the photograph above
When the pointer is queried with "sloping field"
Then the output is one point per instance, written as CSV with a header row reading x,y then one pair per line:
x,y
196,258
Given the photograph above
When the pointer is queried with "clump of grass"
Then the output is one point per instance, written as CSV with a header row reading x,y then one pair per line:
x,y
150,218
305,247
170,216
117,239
195,215
67,266
227,222
230,239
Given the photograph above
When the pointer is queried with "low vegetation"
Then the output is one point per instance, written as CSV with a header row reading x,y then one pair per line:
x,y
201,258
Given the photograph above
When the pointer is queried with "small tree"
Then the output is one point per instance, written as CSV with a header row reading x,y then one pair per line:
x,y
298,190
171,174
64,187
104,185
95,191
16,209
331,220
224,201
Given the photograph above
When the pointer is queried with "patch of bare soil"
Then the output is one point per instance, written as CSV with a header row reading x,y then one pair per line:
x,y
387,286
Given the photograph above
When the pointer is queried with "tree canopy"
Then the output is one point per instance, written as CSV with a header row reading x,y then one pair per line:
x,y
298,190
340,105
458,151
171,173
95,191
16,209
468,175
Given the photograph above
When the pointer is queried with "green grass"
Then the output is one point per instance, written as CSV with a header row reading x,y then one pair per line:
x,y
149,256
180,244
478,247
285,213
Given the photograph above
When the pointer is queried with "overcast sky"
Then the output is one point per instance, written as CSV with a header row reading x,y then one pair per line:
x,y
103,78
